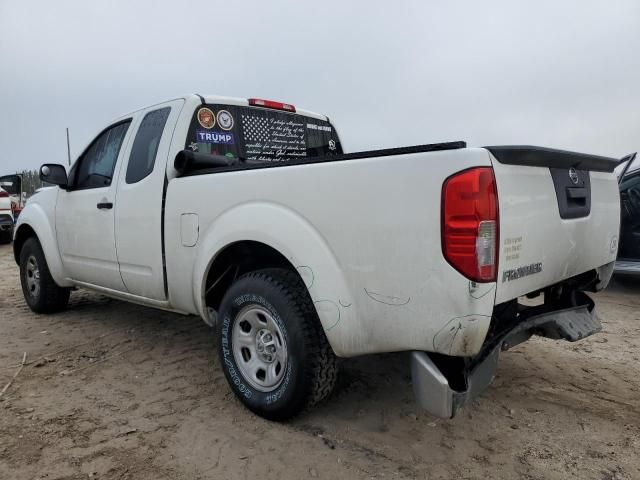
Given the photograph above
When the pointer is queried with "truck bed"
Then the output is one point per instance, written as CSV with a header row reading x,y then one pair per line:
x,y
348,227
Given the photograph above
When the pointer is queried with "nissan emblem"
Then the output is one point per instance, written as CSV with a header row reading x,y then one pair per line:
x,y
573,175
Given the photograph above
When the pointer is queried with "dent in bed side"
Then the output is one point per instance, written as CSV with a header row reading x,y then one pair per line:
x,y
39,214
287,232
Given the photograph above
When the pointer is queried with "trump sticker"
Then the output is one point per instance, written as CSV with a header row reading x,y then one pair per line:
x,y
220,138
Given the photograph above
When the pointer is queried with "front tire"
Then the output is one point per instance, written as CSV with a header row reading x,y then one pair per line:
x,y
271,345
40,291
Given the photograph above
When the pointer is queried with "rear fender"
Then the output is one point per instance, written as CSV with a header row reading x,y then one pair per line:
x,y
295,238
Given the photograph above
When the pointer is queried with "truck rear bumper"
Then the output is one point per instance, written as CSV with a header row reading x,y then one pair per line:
x,y
442,388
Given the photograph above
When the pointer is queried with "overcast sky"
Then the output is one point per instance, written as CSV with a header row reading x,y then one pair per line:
x,y
563,74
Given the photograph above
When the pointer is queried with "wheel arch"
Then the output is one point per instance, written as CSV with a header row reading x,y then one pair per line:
x,y
22,234
33,222
236,259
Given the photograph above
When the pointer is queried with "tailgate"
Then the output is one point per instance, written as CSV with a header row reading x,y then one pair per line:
x,y
559,216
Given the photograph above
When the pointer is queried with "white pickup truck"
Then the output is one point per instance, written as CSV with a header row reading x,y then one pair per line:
x,y
248,214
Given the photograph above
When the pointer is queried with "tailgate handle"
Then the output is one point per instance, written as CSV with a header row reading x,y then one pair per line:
x,y
577,193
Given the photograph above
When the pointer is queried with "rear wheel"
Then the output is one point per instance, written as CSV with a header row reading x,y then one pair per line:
x,y
272,347
40,291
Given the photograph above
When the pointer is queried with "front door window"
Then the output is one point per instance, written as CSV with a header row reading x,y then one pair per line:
x,y
95,168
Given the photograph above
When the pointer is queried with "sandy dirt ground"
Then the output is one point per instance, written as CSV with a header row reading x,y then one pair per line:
x,y
113,390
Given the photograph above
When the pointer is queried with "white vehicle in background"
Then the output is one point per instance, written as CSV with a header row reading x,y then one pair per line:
x,y
10,203
248,214
6,217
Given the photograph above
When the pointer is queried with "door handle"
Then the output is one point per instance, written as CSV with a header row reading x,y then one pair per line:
x,y
105,205
575,193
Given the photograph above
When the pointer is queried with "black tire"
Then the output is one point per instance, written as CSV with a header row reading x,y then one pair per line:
x,y
48,297
311,369
6,236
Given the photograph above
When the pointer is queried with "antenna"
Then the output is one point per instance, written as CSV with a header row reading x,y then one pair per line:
x,y
68,148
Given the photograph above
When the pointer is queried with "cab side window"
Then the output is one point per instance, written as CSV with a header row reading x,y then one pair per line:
x,y
145,145
95,167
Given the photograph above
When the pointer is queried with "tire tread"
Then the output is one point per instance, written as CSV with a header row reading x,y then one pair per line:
x,y
52,297
323,372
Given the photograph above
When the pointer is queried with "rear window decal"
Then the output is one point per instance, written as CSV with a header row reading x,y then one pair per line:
x,y
224,138
225,120
259,135
206,118
271,139
313,126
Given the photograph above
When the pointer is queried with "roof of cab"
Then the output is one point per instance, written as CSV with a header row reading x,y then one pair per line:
x,y
244,102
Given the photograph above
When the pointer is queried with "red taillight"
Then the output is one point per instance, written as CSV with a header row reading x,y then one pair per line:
x,y
258,102
470,223
3,194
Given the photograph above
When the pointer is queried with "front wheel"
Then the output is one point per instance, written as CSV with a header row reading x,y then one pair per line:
x,y
40,290
271,345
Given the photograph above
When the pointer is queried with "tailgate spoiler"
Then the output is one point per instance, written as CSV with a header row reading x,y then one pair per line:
x,y
530,156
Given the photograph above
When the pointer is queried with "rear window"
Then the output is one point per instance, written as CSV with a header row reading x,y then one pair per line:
x,y
260,135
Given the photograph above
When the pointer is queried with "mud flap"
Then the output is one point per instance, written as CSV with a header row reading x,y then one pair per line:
x,y
433,391
433,388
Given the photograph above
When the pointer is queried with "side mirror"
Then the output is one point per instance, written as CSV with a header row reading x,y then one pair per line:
x,y
54,173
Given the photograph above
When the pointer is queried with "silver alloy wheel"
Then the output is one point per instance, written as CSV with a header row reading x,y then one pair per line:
x,y
33,277
259,348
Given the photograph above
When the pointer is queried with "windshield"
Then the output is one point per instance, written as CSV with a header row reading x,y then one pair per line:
x,y
260,135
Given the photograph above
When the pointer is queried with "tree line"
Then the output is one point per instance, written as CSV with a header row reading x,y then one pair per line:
x,y
31,181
